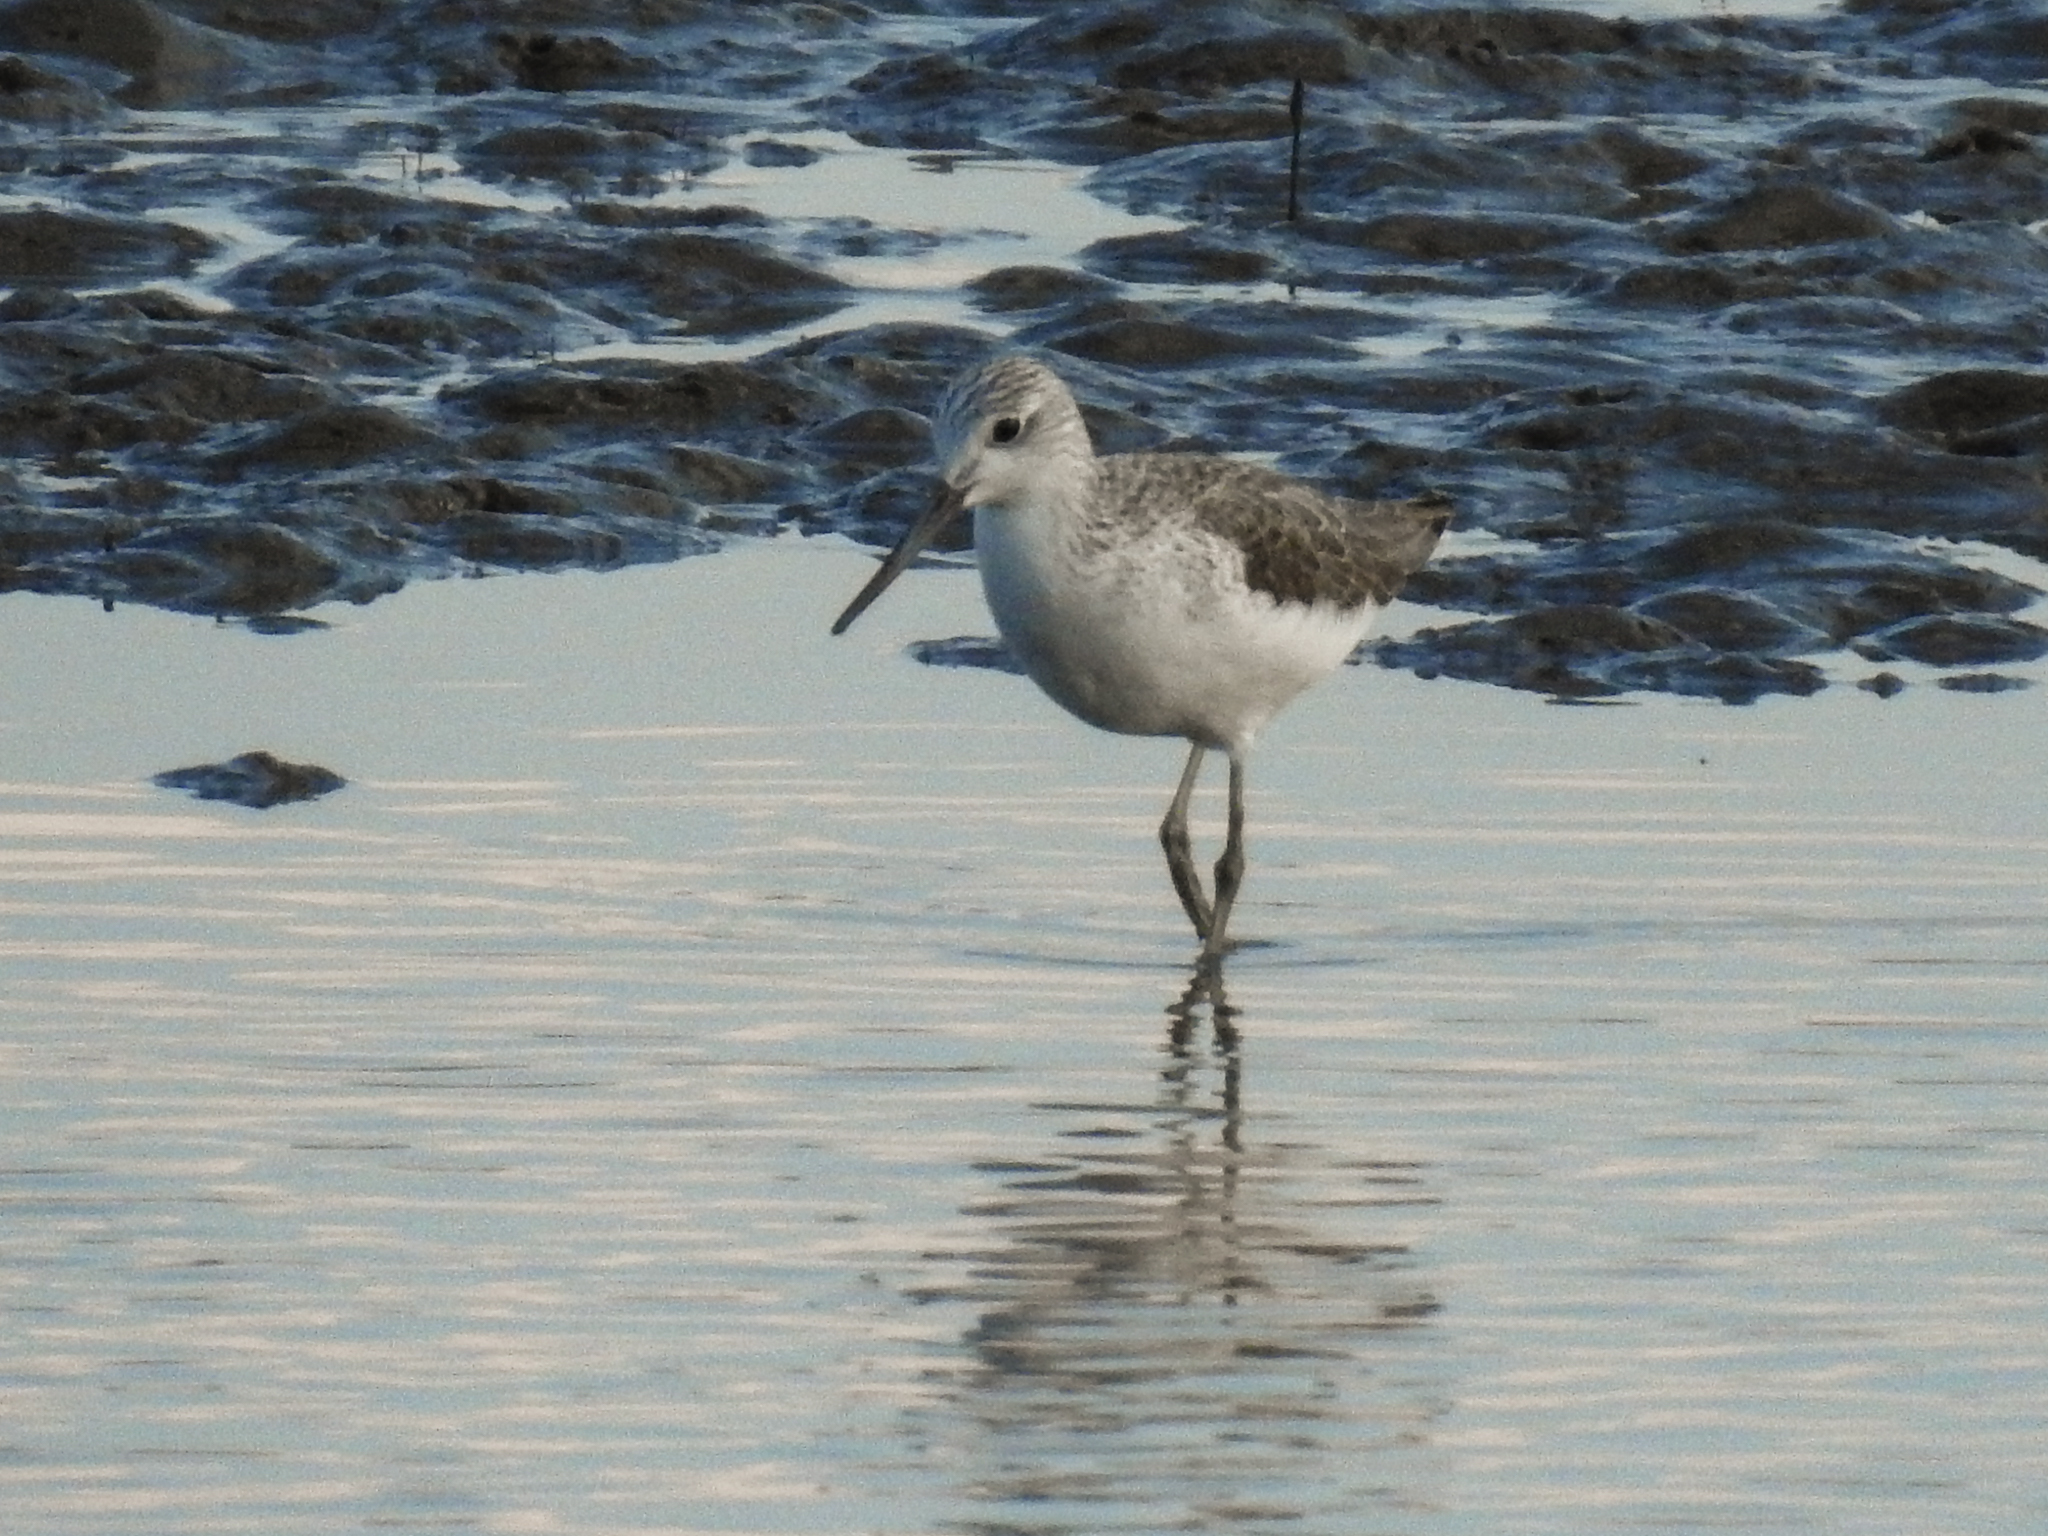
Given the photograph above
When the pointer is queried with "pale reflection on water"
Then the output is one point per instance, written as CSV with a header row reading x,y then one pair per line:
x,y
704,1076
1166,1339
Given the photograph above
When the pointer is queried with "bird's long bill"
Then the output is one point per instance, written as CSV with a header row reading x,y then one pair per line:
x,y
945,507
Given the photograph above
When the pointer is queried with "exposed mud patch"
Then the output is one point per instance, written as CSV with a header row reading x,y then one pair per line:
x,y
258,780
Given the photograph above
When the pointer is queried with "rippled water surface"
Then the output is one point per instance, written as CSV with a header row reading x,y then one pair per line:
x,y
704,1076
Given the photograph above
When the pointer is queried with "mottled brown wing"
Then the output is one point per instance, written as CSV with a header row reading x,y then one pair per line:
x,y
1300,546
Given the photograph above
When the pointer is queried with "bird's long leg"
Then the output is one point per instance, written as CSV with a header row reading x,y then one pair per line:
x,y
1229,868
1180,857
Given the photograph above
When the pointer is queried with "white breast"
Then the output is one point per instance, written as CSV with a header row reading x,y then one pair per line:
x,y
1158,637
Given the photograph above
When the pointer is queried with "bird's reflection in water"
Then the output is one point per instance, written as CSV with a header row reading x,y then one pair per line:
x,y
1182,1328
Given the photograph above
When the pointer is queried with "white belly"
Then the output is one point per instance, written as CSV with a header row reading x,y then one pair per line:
x,y
1164,641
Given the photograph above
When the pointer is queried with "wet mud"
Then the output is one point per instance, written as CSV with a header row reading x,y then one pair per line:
x,y
258,780
1727,329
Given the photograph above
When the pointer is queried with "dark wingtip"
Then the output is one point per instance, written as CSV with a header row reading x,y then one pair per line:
x,y
1443,511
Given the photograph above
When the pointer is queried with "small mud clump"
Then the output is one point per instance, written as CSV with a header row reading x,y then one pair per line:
x,y
255,779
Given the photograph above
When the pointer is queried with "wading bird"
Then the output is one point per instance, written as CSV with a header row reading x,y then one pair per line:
x,y
1157,594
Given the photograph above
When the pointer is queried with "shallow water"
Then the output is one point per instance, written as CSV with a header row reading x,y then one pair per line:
x,y
705,1076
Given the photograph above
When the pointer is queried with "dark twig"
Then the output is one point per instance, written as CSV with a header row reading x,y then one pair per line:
x,y
1295,103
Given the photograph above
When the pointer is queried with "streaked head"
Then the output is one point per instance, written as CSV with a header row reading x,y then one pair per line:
x,y
1002,429
1006,433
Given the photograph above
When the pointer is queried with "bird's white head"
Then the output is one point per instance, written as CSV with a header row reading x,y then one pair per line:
x,y
1009,436
1010,440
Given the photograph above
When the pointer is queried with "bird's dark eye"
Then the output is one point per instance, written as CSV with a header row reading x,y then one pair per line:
x,y
1006,430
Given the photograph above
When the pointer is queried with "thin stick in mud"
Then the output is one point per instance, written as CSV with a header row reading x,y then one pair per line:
x,y
1295,103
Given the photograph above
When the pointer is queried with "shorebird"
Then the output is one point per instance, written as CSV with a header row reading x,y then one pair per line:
x,y
1157,594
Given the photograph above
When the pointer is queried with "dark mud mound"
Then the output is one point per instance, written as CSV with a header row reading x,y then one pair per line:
x,y
43,245
258,780
1726,328
169,60
1593,651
